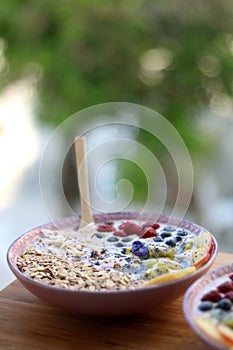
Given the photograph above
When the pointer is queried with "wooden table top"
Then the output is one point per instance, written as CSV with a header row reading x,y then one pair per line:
x,y
26,323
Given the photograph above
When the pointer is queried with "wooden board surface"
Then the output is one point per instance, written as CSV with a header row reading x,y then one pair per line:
x,y
26,323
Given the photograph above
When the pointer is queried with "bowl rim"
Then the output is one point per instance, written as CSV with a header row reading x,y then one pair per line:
x,y
66,221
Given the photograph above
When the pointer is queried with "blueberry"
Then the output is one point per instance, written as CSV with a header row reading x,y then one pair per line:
x,y
181,232
113,239
224,304
142,252
178,238
168,228
98,235
205,306
126,239
136,245
119,245
171,242
158,239
165,234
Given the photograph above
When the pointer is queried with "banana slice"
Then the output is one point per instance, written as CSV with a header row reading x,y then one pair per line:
x,y
170,276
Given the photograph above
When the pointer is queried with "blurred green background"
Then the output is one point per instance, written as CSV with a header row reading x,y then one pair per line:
x,y
175,57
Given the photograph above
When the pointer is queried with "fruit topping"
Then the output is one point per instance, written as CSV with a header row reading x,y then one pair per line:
x,y
119,233
130,228
148,232
200,256
209,328
225,287
229,295
136,245
213,296
170,242
204,240
126,239
188,245
140,250
155,226
98,235
225,332
171,276
224,304
182,233
119,245
158,270
158,239
168,228
206,305
112,239
178,238
105,228
161,251
152,224
165,234
171,264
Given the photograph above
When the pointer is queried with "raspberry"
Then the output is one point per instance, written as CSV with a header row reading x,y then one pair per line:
x,y
225,287
105,228
213,295
148,232
231,276
155,226
130,228
152,224
229,295
119,233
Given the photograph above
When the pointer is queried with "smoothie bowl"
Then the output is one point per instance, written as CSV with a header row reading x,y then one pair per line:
x,y
122,264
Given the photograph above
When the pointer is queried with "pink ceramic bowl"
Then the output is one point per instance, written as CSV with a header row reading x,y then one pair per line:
x,y
107,303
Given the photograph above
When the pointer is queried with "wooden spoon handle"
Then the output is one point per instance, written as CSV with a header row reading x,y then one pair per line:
x,y
82,173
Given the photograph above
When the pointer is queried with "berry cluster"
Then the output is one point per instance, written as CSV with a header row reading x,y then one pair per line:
x,y
221,297
127,228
